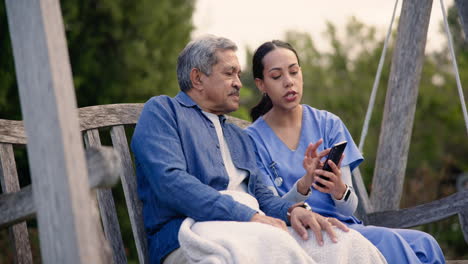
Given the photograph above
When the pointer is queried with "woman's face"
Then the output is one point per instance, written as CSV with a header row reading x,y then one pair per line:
x,y
282,78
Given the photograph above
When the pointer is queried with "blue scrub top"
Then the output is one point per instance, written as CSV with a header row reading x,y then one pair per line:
x,y
282,166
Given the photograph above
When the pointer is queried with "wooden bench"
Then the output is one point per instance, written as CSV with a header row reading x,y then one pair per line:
x,y
17,205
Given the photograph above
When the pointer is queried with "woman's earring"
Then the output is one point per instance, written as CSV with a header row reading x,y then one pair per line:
x,y
265,94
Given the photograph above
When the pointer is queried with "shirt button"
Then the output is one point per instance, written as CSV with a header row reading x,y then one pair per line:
x,y
222,163
217,146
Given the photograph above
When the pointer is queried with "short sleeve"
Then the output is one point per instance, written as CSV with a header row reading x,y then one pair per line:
x,y
337,132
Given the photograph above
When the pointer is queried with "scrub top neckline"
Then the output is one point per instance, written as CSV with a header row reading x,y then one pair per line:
x,y
304,112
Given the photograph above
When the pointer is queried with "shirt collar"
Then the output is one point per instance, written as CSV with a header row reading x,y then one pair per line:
x,y
222,118
186,101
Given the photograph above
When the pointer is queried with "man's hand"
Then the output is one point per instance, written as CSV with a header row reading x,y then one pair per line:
x,y
301,219
269,221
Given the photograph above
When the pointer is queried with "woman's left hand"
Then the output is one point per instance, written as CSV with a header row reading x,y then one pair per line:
x,y
335,185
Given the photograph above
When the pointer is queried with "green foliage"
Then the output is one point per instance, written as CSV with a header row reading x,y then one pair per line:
x,y
9,100
125,52
119,51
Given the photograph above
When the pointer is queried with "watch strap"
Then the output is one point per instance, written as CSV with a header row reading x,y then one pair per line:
x,y
346,194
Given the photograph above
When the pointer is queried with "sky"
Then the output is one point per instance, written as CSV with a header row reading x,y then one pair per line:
x,y
249,23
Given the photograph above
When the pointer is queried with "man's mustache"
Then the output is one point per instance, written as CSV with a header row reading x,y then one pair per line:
x,y
235,92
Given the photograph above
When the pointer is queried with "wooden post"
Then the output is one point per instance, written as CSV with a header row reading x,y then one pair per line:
x,y
400,105
462,6
10,184
68,227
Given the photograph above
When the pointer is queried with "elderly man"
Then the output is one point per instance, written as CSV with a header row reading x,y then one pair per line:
x,y
185,154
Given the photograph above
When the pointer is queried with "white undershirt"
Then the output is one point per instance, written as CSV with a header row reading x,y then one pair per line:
x,y
236,176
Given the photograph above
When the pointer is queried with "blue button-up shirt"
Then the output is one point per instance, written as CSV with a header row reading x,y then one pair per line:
x,y
180,171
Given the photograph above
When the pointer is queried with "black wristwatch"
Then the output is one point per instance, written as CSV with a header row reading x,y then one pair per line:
x,y
346,194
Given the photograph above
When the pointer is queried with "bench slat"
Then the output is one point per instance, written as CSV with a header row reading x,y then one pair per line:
x,y
16,207
12,132
10,184
119,140
421,214
109,115
107,209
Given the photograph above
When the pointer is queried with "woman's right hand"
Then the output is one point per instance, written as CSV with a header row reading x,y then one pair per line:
x,y
310,163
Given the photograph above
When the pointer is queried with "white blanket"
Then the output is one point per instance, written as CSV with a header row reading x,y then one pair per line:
x,y
249,242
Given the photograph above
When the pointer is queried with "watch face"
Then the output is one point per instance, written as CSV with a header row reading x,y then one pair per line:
x,y
347,193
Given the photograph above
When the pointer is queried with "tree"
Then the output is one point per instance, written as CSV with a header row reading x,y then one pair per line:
x,y
120,51
125,52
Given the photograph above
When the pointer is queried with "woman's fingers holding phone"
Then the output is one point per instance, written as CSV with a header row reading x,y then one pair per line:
x,y
322,181
335,168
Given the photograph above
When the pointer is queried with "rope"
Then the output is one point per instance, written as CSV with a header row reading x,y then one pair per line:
x,y
455,66
370,107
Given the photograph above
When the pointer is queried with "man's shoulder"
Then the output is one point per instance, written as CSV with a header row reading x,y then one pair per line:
x,y
160,100
162,105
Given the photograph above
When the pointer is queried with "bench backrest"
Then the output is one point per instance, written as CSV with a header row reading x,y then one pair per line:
x,y
115,119
92,119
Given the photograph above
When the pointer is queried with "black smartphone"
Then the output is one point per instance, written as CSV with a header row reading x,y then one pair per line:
x,y
335,156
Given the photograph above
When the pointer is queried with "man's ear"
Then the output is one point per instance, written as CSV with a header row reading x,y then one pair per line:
x,y
260,85
195,78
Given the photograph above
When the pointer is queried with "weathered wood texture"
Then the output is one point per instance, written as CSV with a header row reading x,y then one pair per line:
x,y
107,209
134,206
68,227
422,214
400,105
109,115
19,206
16,207
12,132
10,184
462,6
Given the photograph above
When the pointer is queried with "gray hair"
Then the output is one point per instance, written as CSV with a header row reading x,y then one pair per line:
x,y
200,54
